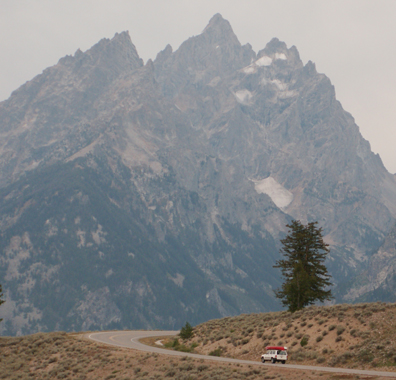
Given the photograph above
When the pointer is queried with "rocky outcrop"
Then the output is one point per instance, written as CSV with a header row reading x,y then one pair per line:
x,y
378,282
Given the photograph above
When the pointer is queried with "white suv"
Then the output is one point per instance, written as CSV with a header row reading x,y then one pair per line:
x,y
275,354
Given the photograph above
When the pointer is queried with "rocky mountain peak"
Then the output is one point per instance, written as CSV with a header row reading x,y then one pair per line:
x,y
275,46
219,35
163,55
146,196
218,26
277,50
216,52
118,52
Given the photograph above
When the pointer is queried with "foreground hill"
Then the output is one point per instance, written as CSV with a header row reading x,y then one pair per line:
x,y
352,336
140,195
361,337
70,356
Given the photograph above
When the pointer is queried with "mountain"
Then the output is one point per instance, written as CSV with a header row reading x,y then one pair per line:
x,y
143,195
378,281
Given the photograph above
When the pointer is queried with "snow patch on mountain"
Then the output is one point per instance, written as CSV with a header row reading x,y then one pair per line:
x,y
282,88
243,96
279,195
251,69
281,56
264,61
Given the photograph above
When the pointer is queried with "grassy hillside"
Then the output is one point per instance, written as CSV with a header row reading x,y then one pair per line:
x,y
67,356
359,336
353,336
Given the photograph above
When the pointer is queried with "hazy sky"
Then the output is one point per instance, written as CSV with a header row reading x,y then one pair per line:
x,y
353,42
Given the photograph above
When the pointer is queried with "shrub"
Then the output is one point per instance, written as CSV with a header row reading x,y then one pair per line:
x,y
338,338
365,356
187,367
216,352
332,327
299,356
174,343
333,361
340,330
184,348
304,341
345,357
202,368
319,338
320,360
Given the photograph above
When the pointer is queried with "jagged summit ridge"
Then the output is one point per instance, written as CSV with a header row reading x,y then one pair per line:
x,y
216,42
277,50
118,51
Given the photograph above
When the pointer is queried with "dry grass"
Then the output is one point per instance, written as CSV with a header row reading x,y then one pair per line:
x,y
368,335
71,356
355,336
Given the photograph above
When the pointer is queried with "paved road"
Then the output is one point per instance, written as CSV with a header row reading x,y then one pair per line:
x,y
130,339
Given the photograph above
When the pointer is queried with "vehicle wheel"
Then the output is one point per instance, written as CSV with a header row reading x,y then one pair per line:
x,y
262,360
273,361
283,361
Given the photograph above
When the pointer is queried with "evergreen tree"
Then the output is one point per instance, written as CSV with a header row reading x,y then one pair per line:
x,y
305,275
1,300
187,331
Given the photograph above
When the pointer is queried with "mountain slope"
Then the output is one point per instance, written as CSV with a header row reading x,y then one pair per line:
x,y
140,196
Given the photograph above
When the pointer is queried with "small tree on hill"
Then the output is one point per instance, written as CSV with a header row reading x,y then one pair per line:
x,y
187,331
1,300
305,275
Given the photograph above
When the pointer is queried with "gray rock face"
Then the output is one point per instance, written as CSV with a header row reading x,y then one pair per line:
x,y
137,196
378,282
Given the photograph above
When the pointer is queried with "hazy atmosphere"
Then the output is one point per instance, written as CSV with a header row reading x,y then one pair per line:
x,y
352,41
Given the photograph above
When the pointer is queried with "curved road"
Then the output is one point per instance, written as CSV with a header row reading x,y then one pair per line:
x,y
130,339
